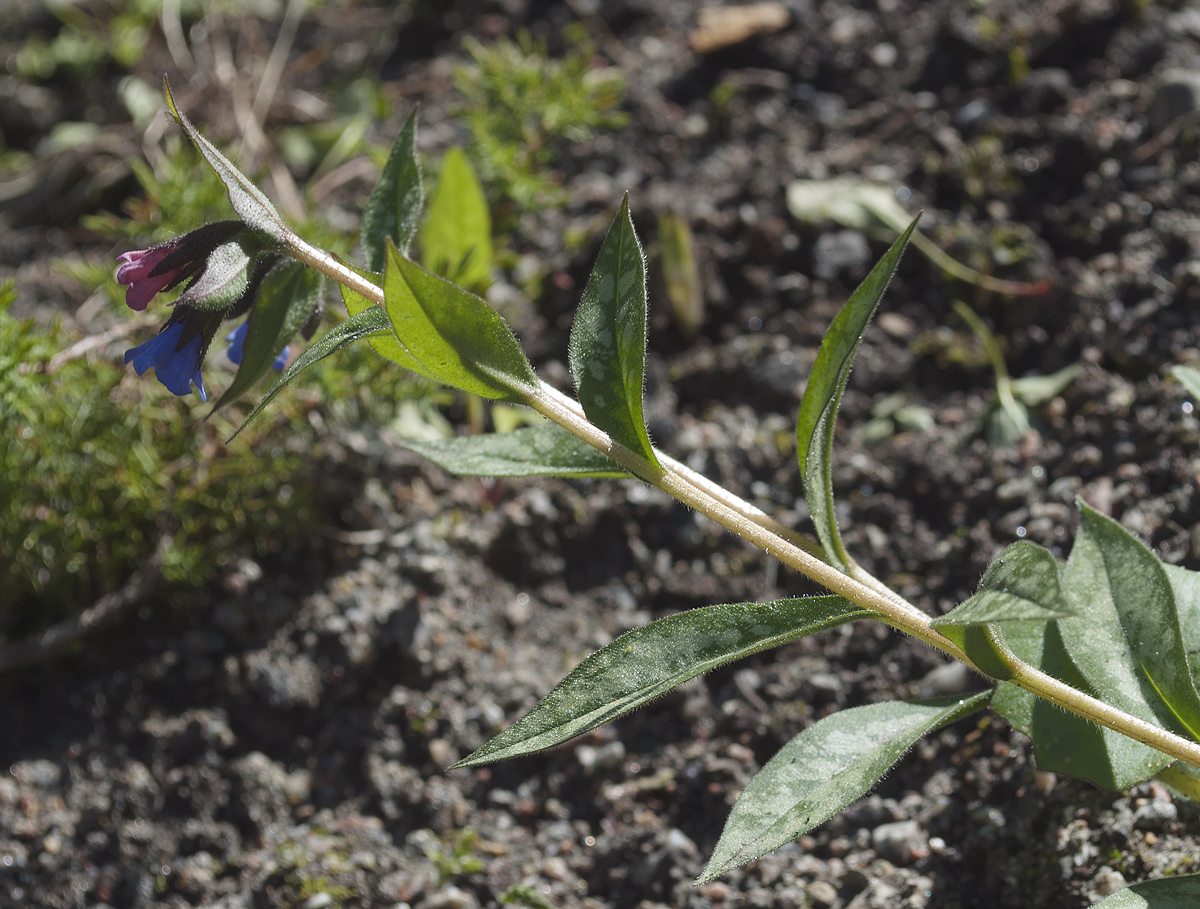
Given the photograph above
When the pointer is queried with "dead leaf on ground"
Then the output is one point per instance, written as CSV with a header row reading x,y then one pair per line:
x,y
724,26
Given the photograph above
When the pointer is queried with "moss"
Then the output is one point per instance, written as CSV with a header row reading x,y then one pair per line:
x,y
98,466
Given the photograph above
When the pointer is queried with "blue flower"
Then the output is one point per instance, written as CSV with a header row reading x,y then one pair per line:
x,y
176,365
237,338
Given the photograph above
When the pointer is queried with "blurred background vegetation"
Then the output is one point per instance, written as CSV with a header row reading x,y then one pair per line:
x,y
98,466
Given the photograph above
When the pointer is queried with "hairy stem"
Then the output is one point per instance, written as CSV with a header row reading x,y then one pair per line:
x,y
752,525
889,606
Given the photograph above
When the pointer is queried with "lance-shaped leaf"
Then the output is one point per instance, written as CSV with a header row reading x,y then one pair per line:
x,y
366,324
394,207
823,770
456,238
546,451
1126,638
1065,742
1166,893
1023,584
456,336
251,205
285,300
607,351
826,382
387,345
647,662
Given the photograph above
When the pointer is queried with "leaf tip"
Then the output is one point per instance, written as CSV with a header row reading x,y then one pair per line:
x,y
708,874
170,96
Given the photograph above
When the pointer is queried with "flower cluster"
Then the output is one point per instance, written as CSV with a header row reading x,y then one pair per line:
x,y
223,263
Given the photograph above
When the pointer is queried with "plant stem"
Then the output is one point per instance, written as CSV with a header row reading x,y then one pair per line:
x,y
329,265
752,525
552,404
892,609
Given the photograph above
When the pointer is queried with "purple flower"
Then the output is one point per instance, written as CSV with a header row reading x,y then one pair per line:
x,y
140,270
176,362
147,272
237,338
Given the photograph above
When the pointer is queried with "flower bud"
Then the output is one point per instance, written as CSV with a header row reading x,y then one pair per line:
x,y
215,258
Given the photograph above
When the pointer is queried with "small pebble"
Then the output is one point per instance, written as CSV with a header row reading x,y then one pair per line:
x,y
1108,881
680,844
900,841
451,897
441,752
717,891
822,893
740,753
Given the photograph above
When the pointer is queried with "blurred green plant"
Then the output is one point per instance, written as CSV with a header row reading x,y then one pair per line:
x,y
874,209
1009,418
90,36
177,193
94,472
525,895
681,275
891,415
456,233
331,141
455,854
520,103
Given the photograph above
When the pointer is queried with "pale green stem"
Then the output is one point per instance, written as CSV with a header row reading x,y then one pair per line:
x,y
749,523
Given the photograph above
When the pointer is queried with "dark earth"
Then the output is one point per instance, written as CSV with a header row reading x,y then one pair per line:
x,y
284,738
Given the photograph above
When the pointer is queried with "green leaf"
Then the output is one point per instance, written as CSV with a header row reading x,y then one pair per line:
x,y
1186,585
677,254
824,769
1066,742
284,302
607,351
548,451
1184,780
1022,584
985,646
850,202
456,238
1166,893
1189,378
386,344
366,324
1126,638
818,408
647,662
1123,646
456,336
394,208
1037,390
251,205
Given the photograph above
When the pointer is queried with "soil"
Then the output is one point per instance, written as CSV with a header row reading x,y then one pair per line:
x,y
283,738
